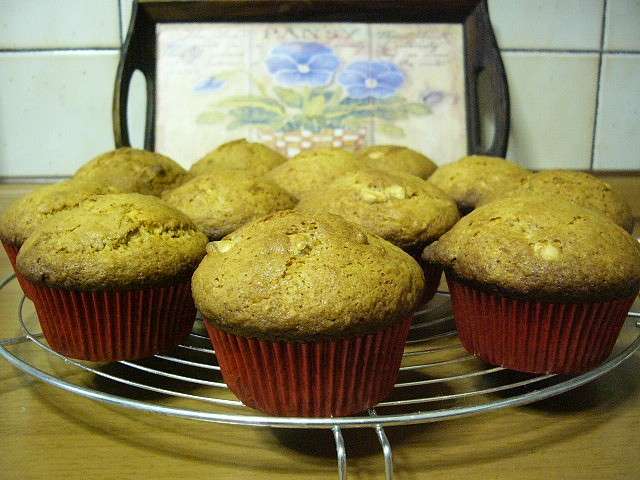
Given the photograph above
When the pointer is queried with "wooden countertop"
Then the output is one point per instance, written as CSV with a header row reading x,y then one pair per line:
x,y
589,433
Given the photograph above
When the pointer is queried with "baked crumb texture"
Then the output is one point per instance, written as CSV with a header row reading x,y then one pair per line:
x,y
254,158
543,249
113,241
301,276
221,202
133,170
472,179
401,208
313,169
393,158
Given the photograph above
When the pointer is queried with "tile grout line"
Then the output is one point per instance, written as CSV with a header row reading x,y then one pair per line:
x,y
503,50
19,51
598,84
568,50
120,22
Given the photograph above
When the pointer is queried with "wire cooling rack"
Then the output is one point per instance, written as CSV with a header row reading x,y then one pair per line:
x,y
438,380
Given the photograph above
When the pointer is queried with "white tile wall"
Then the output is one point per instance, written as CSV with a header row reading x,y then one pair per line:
x,y
547,24
623,25
617,143
55,105
55,110
552,107
125,15
59,24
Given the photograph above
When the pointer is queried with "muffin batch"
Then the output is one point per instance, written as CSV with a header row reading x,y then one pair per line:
x,y
316,264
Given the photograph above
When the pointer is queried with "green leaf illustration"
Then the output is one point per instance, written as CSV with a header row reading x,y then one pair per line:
x,y
253,116
252,101
212,116
289,97
314,107
418,109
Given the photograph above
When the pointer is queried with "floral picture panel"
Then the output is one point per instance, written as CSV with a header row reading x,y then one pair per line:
x,y
296,86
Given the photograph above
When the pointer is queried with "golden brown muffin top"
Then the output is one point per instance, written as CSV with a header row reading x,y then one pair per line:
x,y
394,158
116,241
221,202
133,170
471,179
239,155
578,188
25,214
296,275
403,209
313,169
541,248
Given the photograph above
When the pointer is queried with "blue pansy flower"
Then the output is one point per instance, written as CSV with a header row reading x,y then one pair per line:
x,y
375,79
302,63
210,84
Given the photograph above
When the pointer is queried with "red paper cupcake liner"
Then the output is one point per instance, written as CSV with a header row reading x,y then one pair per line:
x,y
534,336
311,379
12,252
114,325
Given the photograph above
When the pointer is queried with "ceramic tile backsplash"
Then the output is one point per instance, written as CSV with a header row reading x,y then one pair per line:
x,y
125,15
59,24
553,99
55,111
617,143
547,24
622,31
55,106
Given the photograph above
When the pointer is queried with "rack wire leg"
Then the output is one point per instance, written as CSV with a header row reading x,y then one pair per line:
x,y
386,451
341,453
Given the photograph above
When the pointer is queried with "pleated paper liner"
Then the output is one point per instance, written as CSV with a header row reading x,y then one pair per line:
x,y
12,252
311,379
535,336
114,325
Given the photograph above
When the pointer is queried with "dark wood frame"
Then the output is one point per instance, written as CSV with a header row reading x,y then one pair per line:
x,y
481,51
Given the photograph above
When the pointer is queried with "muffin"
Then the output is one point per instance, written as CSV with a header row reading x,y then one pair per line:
x,y
539,289
254,158
403,209
472,179
393,158
110,279
578,188
133,170
24,215
221,202
313,169
297,299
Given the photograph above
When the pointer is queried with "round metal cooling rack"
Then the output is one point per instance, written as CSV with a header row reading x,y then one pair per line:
x,y
438,380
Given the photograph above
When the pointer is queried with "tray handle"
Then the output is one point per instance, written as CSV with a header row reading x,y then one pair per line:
x,y
138,53
482,53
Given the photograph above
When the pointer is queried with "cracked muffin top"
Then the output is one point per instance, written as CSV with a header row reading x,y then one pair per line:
x,y
300,276
113,241
472,179
25,214
393,158
403,209
133,170
579,188
221,202
313,169
254,158
521,247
